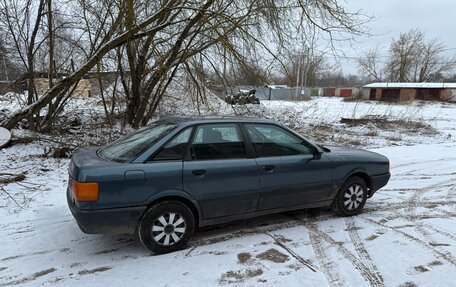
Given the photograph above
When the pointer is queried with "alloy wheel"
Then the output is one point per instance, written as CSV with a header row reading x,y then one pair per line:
x,y
353,197
168,229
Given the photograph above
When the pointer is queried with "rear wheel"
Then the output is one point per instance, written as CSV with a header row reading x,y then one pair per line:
x,y
351,197
166,227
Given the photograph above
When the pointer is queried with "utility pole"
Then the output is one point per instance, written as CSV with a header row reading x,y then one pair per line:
x,y
305,67
298,78
6,70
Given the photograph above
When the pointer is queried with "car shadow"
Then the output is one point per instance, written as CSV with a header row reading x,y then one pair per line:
x,y
129,244
257,225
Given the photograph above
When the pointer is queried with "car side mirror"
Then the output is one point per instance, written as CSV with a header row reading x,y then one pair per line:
x,y
316,154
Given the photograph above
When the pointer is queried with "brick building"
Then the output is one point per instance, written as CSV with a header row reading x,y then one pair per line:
x,y
401,92
88,86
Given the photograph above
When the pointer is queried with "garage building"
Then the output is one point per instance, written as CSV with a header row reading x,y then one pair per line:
x,y
401,92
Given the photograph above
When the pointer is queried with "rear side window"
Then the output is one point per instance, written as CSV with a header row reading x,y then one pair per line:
x,y
271,140
175,149
131,146
218,141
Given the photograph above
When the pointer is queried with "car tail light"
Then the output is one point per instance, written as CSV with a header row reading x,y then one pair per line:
x,y
85,191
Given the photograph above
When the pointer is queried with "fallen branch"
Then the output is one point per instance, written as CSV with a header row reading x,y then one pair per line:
x,y
27,140
11,177
11,197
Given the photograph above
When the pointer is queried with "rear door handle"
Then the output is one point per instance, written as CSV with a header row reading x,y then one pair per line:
x,y
199,171
268,167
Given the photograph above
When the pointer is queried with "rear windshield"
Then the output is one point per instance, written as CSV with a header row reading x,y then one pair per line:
x,y
131,146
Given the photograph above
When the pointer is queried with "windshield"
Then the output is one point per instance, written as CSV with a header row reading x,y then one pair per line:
x,y
131,146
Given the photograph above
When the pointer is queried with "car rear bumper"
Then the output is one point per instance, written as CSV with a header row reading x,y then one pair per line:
x,y
378,182
112,221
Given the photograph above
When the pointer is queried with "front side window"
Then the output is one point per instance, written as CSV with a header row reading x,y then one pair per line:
x,y
131,146
271,140
175,149
218,141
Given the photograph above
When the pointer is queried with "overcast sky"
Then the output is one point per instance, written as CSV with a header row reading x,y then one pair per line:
x,y
437,18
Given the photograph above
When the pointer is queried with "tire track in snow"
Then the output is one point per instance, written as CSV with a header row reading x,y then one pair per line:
x,y
402,205
251,230
370,277
329,267
412,202
292,253
446,212
32,224
422,162
361,249
441,215
419,229
410,211
274,226
446,256
240,233
451,193
439,231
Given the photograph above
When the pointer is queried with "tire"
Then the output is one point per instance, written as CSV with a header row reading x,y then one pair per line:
x,y
166,227
351,197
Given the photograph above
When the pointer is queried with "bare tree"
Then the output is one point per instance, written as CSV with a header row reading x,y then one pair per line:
x,y
370,65
404,55
28,26
22,20
432,63
410,58
413,59
248,73
157,40
302,68
9,68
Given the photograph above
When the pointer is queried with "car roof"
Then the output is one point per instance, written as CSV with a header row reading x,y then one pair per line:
x,y
216,119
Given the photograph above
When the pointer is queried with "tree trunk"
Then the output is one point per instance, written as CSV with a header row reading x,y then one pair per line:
x,y
51,58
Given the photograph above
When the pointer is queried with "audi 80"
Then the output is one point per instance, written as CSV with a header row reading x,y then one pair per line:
x,y
163,181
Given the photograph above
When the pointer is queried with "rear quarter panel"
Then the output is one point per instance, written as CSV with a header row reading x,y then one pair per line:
x,y
117,190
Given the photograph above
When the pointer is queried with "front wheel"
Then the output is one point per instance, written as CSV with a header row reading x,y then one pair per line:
x,y
351,197
166,227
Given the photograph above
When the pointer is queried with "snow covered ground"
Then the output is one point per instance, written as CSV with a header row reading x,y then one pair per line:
x,y
405,237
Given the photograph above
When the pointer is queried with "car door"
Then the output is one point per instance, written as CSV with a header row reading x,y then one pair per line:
x,y
163,170
290,174
219,173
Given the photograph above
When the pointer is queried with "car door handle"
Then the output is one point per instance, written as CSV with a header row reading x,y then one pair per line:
x,y
199,171
268,167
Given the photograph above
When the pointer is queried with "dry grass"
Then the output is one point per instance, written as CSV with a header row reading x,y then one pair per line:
x,y
354,142
371,134
302,99
384,123
243,257
273,255
239,276
394,138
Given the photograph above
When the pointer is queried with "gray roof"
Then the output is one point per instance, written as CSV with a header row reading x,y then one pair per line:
x,y
217,119
411,85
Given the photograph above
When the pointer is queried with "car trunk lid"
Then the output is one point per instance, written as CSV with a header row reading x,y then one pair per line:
x,y
86,158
